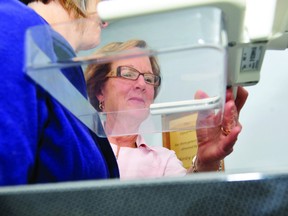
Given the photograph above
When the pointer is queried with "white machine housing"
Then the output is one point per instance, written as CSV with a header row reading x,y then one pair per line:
x,y
253,26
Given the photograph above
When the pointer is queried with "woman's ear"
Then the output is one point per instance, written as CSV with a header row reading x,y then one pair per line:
x,y
100,95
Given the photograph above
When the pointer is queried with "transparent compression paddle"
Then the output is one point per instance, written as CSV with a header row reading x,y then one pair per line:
x,y
190,46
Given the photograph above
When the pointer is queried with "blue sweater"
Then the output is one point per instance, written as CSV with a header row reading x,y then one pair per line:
x,y
40,140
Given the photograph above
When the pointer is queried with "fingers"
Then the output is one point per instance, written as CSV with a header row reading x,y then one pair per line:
x,y
215,143
229,94
230,127
231,110
200,95
230,140
230,118
242,95
205,117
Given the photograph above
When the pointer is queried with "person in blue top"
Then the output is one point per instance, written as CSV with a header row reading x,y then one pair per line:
x,y
40,140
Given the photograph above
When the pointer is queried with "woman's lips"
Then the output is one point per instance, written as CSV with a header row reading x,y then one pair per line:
x,y
137,100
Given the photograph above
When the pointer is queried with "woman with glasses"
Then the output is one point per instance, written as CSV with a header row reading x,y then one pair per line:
x,y
41,141
131,85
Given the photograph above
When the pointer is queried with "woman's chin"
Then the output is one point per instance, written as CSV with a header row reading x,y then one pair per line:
x,y
135,114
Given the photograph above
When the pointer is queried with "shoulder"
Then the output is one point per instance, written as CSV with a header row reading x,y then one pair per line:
x,y
13,8
142,144
161,151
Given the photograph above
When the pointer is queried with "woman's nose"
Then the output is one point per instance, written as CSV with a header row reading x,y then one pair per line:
x,y
140,82
104,24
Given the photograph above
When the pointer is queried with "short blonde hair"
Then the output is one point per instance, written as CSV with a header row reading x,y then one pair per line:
x,y
76,7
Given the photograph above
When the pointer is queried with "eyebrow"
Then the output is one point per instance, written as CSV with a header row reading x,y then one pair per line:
x,y
137,69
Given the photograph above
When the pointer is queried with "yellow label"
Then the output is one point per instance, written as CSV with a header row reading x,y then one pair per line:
x,y
184,143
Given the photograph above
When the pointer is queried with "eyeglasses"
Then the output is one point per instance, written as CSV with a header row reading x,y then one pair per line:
x,y
131,73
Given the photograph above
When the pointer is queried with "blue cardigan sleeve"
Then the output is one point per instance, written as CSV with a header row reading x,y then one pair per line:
x,y
40,141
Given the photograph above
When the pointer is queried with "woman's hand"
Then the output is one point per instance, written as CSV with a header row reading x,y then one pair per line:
x,y
215,143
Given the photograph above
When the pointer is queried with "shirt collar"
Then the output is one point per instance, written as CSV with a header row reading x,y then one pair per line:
x,y
141,142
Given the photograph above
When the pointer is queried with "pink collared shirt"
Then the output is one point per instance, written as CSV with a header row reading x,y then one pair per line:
x,y
147,161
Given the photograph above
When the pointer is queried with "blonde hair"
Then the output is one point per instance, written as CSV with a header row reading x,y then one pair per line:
x,y
75,7
96,74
